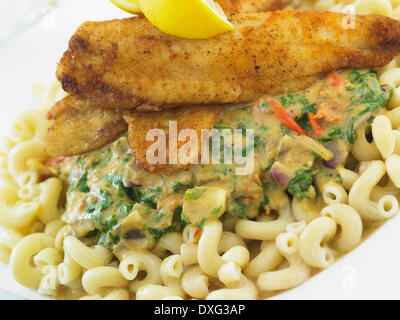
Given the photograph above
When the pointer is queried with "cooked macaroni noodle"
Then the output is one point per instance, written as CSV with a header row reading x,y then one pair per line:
x,y
274,241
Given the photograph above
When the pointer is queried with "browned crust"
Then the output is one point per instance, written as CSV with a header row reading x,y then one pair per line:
x,y
78,128
127,63
251,6
202,117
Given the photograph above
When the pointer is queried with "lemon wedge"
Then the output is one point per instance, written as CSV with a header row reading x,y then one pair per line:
x,y
131,6
192,19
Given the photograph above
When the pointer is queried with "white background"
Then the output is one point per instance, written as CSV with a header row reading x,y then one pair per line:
x,y
372,271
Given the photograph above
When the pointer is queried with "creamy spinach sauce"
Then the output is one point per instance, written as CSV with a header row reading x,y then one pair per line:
x,y
105,185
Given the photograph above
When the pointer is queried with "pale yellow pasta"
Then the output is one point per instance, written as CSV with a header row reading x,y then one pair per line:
x,y
333,192
229,240
244,289
20,260
19,157
49,197
170,242
392,78
268,259
383,7
396,15
189,253
188,234
171,269
85,256
111,294
98,278
60,236
324,4
362,149
266,230
209,259
131,265
69,270
286,278
173,298
348,177
49,284
36,227
229,273
312,247
75,285
304,210
47,96
296,227
380,71
8,240
235,259
29,192
91,297
350,226
230,259
396,134
195,283
4,172
47,256
52,228
383,135
15,213
393,169
158,292
380,191
117,294
388,205
296,273
287,243
6,145
238,254
30,125
359,195
394,116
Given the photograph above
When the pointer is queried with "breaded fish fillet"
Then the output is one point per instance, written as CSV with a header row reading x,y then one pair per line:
x,y
251,6
126,63
78,128
140,124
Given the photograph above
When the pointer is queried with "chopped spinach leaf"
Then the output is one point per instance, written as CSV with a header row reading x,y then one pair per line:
x,y
177,186
194,194
151,197
300,183
81,184
158,233
335,134
239,209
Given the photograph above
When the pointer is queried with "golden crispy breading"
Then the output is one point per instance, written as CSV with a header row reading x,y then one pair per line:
x,y
140,123
251,6
78,128
126,63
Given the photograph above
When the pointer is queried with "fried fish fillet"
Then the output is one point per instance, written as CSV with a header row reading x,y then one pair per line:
x,y
140,124
251,6
78,128
127,63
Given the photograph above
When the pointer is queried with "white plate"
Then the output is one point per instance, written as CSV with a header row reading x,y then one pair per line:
x,y
372,271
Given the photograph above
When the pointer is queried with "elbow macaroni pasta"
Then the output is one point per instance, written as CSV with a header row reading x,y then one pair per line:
x,y
234,259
